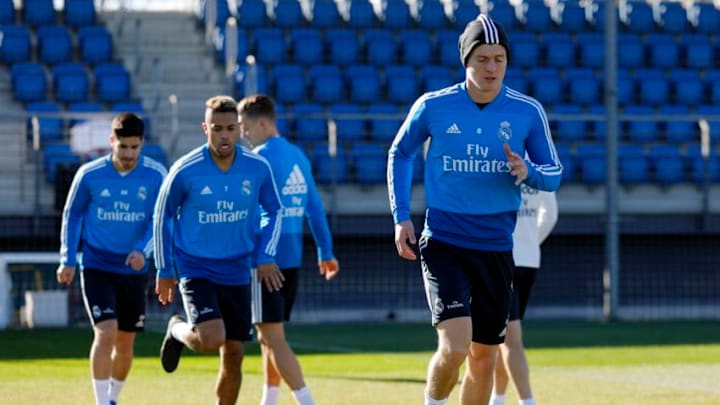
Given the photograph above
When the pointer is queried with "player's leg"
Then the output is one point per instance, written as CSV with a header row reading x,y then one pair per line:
x,y
229,379
444,367
234,304
502,377
477,382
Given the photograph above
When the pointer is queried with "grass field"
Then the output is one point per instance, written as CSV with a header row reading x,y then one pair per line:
x,y
658,363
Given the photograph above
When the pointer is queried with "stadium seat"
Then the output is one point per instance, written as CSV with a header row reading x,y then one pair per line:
x,y
307,46
654,88
112,83
666,164
349,121
568,130
524,50
343,46
465,12
416,48
370,163
558,49
288,14
662,50
95,44
155,151
631,51
713,110
696,163
268,45
583,85
252,14
572,17
687,87
55,44
37,13
28,81
447,48
385,120
55,154
401,84
569,174
364,83
310,122
51,128
598,127
15,46
591,49
70,82
431,15
504,13
246,83
707,18
537,17
397,16
77,109
327,84
678,131
698,51
380,47
361,14
79,13
546,85
633,166
7,12
640,17
325,14
326,168
626,89
436,77
712,81
515,79
674,18
592,159
288,82
283,121
221,14
645,128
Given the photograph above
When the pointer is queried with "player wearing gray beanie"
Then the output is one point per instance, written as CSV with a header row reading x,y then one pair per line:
x,y
482,30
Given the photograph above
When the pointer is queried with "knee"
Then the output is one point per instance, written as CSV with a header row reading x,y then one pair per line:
x,y
232,356
482,361
454,352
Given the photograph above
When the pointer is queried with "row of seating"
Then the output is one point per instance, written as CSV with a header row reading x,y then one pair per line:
x,y
37,13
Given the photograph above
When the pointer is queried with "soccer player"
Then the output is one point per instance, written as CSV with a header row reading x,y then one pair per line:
x,y
109,208
205,223
301,199
536,218
477,133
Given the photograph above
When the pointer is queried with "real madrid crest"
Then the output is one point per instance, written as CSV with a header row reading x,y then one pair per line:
x,y
142,193
504,132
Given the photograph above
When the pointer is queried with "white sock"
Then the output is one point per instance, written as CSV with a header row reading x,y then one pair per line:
x,y
431,401
303,397
101,388
115,388
270,394
527,401
497,399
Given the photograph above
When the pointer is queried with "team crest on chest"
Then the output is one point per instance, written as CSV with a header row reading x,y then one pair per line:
x,y
246,189
142,193
504,132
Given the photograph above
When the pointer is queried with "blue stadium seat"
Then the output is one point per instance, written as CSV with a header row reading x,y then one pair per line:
x,y
155,151
447,48
546,85
244,80
268,45
70,82
591,49
667,164
364,83
559,49
80,108
7,12
662,50
361,14
16,43
37,13
633,166
698,51
343,46
632,51
55,44
252,14
310,122
55,154
711,110
416,48
79,13
687,87
584,87
572,18
401,83
325,168
708,18
95,44
678,131
643,130
674,18
397,16
568,130
592,159
349,121
436,77
325,14
431,15
326,83
598,128
465,12
370,163
626,89
112,83
654,88
288,14
221,14
569,174
28,81
696,163
283,121
380,47
307,46
712,82
504,13
640,17
537,17
51,128
288,80
524,50
515,79
384,121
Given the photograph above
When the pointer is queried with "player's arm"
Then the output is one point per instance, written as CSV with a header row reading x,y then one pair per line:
x,y
167,204
315,212
268,271
76,204
544,170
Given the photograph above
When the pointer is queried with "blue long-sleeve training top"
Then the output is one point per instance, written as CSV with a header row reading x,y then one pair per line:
x,y
205,219
472,199
300,199
111,212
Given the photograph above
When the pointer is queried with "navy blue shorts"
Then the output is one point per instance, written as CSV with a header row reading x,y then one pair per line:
x,y
204,300
523,280
464,282
110,295
274,306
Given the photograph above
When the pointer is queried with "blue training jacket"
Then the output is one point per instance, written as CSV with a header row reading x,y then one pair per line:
x,y
472,199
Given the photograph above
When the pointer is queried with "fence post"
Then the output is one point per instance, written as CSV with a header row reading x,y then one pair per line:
x,y
705,154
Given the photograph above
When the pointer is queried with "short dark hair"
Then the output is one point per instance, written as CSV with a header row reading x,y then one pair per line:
x,y
221,104
128,124
257,105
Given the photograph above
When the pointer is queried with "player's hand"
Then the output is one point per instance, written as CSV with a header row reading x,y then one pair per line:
x,y
404,233
65,274
165,289
518,167
329,268
270,275
135,260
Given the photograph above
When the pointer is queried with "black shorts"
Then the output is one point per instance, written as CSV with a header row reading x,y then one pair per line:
x,y
274,306
464,282
523,280
204,300
110,295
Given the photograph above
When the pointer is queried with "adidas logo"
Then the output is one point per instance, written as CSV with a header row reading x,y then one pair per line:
x,y
105,193
206,191
295,183
454,129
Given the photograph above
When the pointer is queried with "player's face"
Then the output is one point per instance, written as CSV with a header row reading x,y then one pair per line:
x,y
250,129
221,129
125,151
486,69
